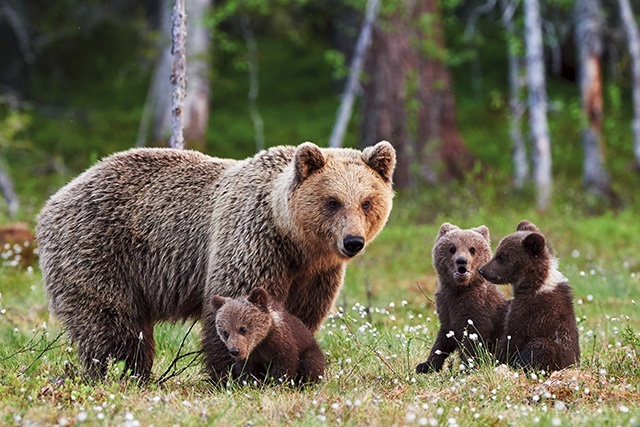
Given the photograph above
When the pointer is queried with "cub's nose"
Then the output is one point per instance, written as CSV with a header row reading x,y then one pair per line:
x,y
234,351
481,271
461,261
353,244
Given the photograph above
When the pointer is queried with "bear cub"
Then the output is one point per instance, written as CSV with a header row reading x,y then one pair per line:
x,y
266,341
540,327
466,303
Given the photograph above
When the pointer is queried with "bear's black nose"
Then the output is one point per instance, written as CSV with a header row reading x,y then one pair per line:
x,y
481,271
234,351
353,244
461,261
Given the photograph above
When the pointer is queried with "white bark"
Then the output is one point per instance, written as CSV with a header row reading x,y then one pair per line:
x,y
633,39
516,105
6,186
538,103
353,81
178,75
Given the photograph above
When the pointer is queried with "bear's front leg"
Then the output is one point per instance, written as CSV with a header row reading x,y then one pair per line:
x,y
441,349
311,298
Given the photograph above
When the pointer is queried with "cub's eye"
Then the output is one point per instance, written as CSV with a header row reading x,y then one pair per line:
x,y
500,257
242,330
366,205
333,204
225,334
452,249
472,251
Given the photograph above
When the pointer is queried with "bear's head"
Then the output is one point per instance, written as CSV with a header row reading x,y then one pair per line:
x,y
338,200
458,254
243,323
522,259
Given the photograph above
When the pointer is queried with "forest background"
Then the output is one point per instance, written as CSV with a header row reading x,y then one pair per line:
x,y
481,140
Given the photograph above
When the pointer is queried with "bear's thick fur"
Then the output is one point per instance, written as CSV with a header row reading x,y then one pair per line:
x,y
148,235
266,341
465,301
540,327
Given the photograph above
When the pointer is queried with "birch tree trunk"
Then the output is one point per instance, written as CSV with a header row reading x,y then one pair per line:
x,y
633,39
178,74
408,98
589,23
157,111
516,105
538,103
6,186
353,81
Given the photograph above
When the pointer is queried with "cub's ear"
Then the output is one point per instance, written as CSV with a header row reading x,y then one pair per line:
x,y
525,225
308,158
534,243
218,301
382,159
484,232
260,298
445,228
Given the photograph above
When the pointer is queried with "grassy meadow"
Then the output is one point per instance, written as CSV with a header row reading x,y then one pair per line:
x,y
383,326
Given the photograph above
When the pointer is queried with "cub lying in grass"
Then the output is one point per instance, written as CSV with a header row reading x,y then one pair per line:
x,y
265,341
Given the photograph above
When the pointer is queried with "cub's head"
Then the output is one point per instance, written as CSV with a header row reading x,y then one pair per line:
x,y
522,259
457,254
243,323
339,199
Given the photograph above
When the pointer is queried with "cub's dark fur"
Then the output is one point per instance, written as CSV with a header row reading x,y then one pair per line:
x,y
463,296
540,327
266,341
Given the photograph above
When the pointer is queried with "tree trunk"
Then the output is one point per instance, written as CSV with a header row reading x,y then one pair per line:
x,y
178,74
633,38
538,103
6,186
589,23
353,81
408,99
516,106
196,113
157,112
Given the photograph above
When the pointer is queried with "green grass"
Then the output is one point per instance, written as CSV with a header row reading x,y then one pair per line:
x,y
371,358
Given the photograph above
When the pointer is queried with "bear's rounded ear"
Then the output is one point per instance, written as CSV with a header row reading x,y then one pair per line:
x,y
483,230
260,298
534,243
308,158
445,228
525,225
381,158
218,301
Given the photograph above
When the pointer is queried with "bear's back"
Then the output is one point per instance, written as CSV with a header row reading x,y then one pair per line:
x,y
143,215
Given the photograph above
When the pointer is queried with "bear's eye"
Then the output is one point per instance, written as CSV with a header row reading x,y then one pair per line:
x,y
242,330
472,251
225,334
333,204
500,257
366,205
452,249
